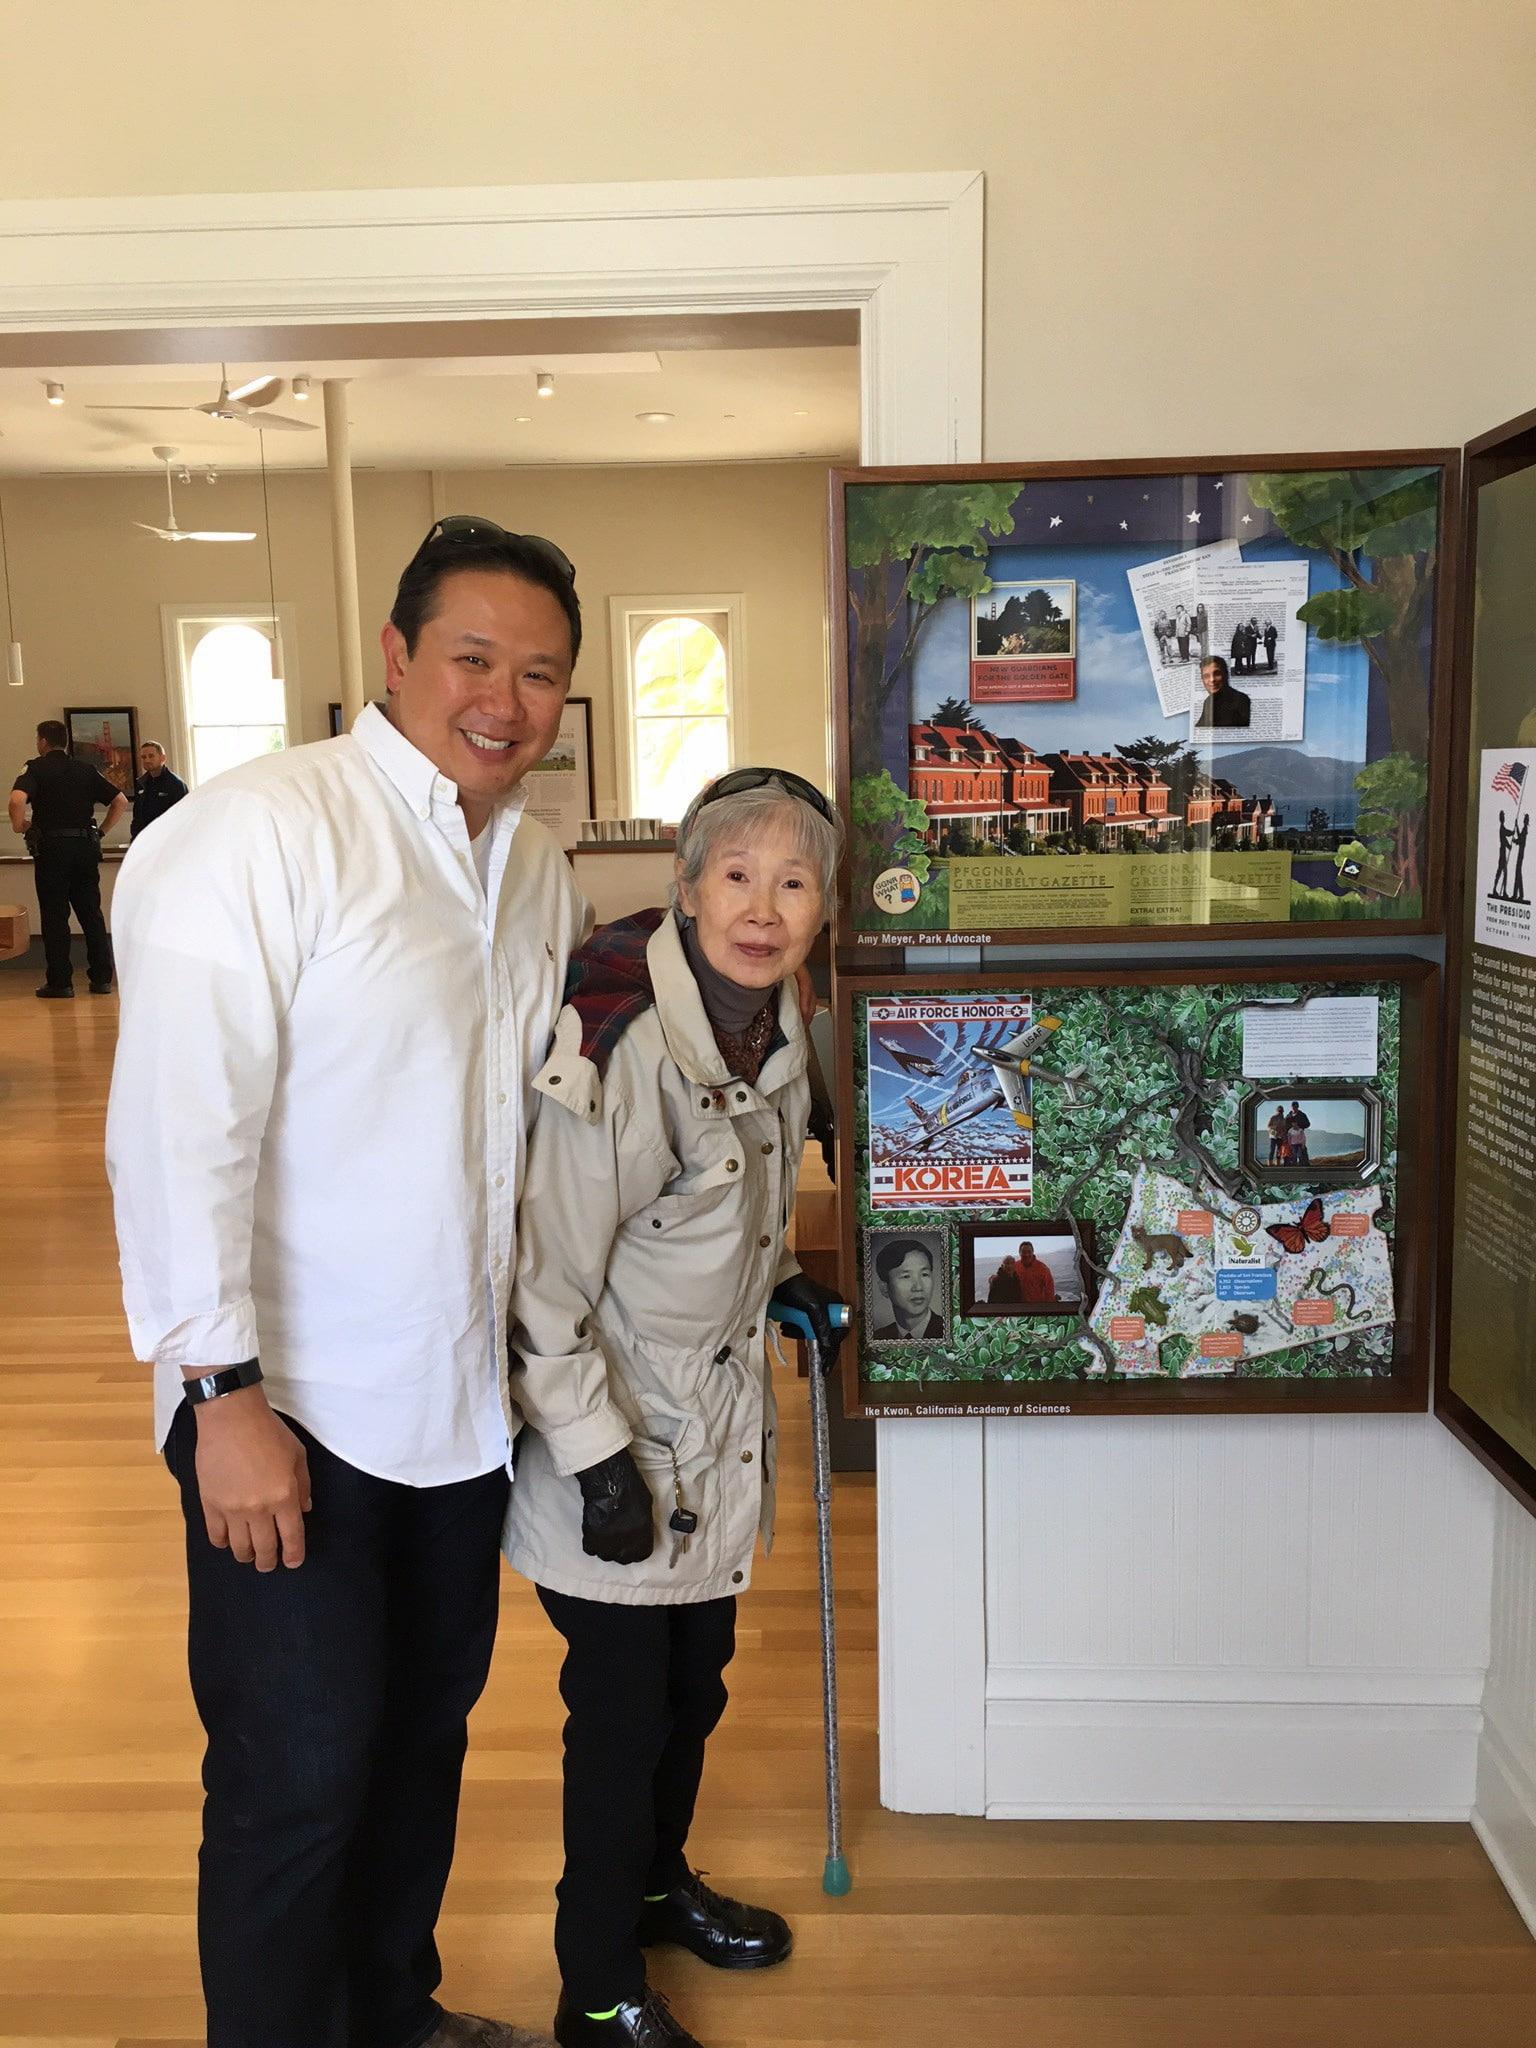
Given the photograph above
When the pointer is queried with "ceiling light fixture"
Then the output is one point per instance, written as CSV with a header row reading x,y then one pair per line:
x,y
524,419
655,419
800,415
301,390
55,393
544,384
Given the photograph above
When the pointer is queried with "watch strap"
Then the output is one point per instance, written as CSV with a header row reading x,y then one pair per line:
x,y
224,1379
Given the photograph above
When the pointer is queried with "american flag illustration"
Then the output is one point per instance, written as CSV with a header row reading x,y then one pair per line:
x,y
1510,779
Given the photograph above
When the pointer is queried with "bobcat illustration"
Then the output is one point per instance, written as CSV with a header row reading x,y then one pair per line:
x,y
1161,1245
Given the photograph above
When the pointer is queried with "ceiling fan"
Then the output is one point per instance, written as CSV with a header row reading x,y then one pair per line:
x,y
243,405
173,531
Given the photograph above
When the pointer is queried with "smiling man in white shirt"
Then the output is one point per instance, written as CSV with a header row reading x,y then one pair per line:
x,y
340,967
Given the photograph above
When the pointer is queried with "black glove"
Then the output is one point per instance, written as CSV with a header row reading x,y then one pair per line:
x,y
618,1521
802,1292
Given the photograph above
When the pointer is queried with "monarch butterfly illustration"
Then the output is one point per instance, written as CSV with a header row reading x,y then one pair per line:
x,y
1310,1228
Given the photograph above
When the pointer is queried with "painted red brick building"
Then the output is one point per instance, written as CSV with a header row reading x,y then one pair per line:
x,y
988,785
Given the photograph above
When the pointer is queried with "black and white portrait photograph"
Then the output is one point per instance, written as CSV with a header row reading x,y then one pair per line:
x,y
906,1286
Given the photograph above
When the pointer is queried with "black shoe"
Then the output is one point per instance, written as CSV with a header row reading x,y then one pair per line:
x,y
717,1930
646,2022
101,988
48,994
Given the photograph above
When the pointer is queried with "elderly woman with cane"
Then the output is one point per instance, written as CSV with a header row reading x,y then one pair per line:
x,y
661,1177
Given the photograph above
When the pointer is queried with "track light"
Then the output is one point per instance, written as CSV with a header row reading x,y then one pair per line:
x,y
55,393
544,384
301,390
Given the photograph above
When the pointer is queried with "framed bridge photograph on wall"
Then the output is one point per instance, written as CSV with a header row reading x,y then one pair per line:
x,y
1114,699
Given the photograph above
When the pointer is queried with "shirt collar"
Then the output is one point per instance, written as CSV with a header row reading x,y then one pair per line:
x,y
418,780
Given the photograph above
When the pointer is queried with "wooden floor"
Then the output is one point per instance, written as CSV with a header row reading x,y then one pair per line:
x,y
957,1932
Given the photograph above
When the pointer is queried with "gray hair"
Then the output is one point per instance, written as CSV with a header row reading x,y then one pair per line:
x,y
746,816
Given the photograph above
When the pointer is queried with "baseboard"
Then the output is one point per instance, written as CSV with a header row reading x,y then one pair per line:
x,y
1231,1759
1504,1817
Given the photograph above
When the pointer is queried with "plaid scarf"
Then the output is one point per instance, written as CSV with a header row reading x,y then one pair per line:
x,y
608,983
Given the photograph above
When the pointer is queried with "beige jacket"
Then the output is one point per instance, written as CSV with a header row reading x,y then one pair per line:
x,y
650,1237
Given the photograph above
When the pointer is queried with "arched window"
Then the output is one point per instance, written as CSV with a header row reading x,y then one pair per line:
x,y
679,688
233,693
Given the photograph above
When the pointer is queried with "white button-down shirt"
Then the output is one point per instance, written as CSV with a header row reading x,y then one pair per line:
x,y
328,1037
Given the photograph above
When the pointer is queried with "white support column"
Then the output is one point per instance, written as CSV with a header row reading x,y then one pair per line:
x,y
338,467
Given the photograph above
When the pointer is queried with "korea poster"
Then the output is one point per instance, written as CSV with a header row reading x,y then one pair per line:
x,y
950,1118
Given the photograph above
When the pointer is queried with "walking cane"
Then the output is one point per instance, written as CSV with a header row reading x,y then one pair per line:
x,y
834,1877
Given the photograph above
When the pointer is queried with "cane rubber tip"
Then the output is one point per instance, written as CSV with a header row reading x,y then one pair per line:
x,y
835,1881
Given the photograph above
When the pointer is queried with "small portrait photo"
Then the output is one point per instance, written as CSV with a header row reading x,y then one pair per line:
x,y
1318,1132
1016,620
906,1286
1024,1269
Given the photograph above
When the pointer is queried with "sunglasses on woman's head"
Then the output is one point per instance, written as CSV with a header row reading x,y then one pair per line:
x,y
462,529
741,779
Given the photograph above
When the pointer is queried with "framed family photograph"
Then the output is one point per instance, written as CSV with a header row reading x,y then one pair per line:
x,y
108,738
1024,1269
1312,1134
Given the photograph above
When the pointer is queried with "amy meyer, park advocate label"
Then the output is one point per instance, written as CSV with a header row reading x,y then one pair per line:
x,y
949,1101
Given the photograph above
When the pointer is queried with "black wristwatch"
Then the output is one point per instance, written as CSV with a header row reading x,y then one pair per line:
x,y
226,1379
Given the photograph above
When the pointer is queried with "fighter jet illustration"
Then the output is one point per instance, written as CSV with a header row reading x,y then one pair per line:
x,y
1006,1086
909,1062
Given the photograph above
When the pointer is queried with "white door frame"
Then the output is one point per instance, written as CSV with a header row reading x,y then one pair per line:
x,y
906,252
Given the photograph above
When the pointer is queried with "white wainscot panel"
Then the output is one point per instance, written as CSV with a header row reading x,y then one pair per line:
x,y
1239,1616
1505,1815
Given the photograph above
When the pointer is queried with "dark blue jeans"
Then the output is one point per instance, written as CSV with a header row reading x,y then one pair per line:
x,y
335,1699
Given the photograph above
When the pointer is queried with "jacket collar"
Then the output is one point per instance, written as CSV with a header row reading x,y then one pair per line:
x,y
686,1028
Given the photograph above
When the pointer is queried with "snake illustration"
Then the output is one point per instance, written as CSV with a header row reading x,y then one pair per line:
x,y
1315,1281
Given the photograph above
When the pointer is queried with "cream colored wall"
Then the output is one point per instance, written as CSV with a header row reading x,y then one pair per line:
x,y
87,586
1212,226
754,529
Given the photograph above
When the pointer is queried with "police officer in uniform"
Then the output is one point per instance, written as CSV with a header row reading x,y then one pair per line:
x,y
66,843
156,789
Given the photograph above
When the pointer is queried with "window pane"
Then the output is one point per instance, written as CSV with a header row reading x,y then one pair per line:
x,y
679,666
674,758
217,747
230,679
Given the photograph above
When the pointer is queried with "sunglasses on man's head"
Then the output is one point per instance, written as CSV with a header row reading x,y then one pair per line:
x,y
462,529
740,779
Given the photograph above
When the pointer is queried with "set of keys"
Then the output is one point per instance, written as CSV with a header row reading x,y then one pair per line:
x,y
682,1521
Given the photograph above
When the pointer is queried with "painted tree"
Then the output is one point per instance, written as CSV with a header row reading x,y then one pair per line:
x,y
909,547
951,711
890,829
1392,798
1176,763
1379,530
